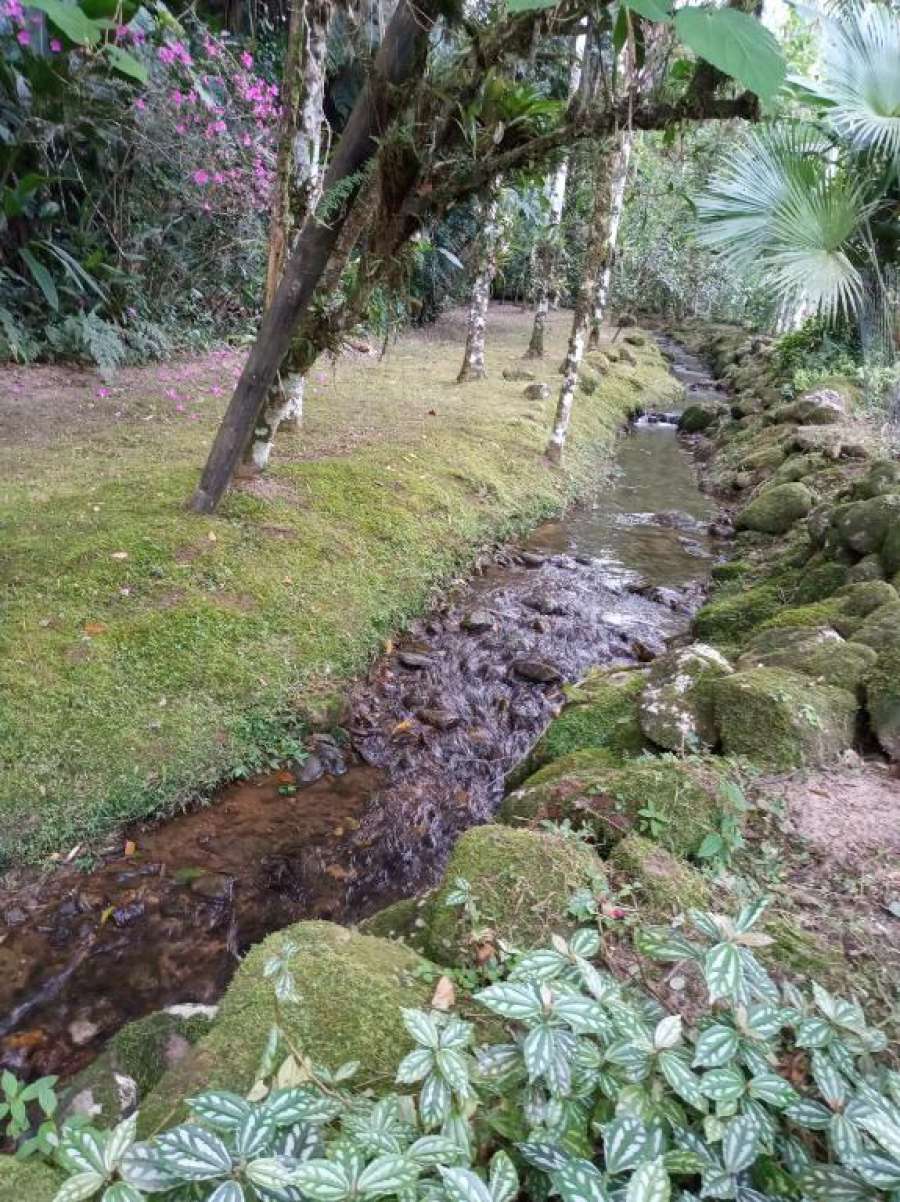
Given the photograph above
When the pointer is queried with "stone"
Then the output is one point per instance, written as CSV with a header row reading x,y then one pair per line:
x,y
352,988
538,671
863,526
401,920
868,568
883,693
882,477
696,418
414,659
606,796
627,356
440,719
822,407
635,339
532,559
310,770
588,380
536,392
890,550
826,440
674,709
28,1180
476,621
517,374
881,628
781,719
664,885
521,883
776,509
817,651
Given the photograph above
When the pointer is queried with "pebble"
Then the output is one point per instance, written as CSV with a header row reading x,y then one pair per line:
x,y
531,559
414,659
536,670
82,1031
476,621
441,719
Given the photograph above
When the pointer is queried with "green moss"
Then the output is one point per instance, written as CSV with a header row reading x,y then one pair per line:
x,y
883,690
664,885
401,920
781,719
351,989
600,713
820,613
305,575
727,619
521,883
820,580
881,629
735,569
776,509
696,418
817,652
590,789
28,1181
800,952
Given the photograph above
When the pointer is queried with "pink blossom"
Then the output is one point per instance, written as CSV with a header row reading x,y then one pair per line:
x,y
246,60
101,392
176,97
12,9
23,37
166,55
179,408
122,32
140,104
55,45
200,177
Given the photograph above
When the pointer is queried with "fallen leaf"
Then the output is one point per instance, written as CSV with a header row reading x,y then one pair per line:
x,y
92,628
119,555
212,536
403,726
484,953
130,847
285,778
444,995
107,915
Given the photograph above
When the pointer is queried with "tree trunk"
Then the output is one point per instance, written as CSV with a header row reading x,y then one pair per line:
x,y
399,62
619,181
546,250
297,186
595,260
473,360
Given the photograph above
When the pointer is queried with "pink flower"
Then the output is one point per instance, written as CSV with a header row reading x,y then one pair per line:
x,y
179,408
200,177
102,392
122,32
13,9
246,60
140,104
23,37
55,45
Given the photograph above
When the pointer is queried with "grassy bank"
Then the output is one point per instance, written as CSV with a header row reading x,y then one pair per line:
x,y
147,653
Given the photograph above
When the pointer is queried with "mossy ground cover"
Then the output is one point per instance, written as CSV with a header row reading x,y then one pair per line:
x,y
147,653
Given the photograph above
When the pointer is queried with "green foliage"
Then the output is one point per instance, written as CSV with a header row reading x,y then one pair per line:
x,y
736,43
598,1093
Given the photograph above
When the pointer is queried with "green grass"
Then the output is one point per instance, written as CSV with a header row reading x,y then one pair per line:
x,y
129,686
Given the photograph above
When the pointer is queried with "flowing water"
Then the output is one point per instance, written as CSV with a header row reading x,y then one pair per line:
x,y
428,737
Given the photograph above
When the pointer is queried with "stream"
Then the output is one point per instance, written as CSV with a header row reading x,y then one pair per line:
x,y
429,736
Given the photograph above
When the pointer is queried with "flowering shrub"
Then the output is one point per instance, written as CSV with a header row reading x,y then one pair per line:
x,y
598,1094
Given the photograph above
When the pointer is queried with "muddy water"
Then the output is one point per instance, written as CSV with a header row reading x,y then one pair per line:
x,y
371,814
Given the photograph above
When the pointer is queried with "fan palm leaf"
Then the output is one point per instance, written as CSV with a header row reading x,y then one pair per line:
x,y
861,77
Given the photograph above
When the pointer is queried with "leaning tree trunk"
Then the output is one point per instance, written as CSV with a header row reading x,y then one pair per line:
x,y
619,181
545,255
595,260
298,181
473,360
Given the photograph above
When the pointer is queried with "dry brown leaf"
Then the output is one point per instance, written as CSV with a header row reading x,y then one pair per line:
x,y
119,555
444,995
130,847
92,628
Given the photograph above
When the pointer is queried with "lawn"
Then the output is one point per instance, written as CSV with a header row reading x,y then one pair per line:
x,y
147,653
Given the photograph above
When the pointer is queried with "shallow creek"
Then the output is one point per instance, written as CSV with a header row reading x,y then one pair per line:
x,y
431,732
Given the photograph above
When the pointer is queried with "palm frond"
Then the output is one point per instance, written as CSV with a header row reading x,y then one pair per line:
x,y
861,76
781,206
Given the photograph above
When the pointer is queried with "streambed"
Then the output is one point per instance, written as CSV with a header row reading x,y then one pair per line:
x,y
429,736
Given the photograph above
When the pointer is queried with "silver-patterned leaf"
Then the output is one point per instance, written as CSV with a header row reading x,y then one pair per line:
x,y
829,1081
585,942
463,1185
582,1014
649,1183
228,1191
435,1100
624,1140
451,1064
455,1033
143,1166
300,1104
83,1150
763,1021
322,1180
676,1071
723,1084
503,1180
750,914
416,1066
716,1045
513,1000
723,970
120,1191
541,965
813,1033
119,1141
740,1144
667,1033
432,1150
882,1129
664,945
421,1027
547,1157
254,1135
772,1089
79,1187
806,1113
845,1139
878,1171
194,1153
539,1050
579,1181
220,1109
828,1183
498,1059
387,1175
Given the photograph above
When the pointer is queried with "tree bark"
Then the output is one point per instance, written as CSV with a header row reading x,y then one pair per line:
x,y
298,181
473,367
595,261
546,255
399,61
619,181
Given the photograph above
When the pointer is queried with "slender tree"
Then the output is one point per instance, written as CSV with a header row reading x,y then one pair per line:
x,y
473,367
618,184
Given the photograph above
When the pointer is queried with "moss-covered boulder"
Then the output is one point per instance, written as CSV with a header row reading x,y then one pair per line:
x,y
822,407
882,477
868,568
132,1063
28,1181
890,550
881,628
820,579
883,692
678,799
351,989
863,526
601,712
728,618
588,379
782,719
817,651
696,418
401,920
520,881
663,885
776,509
675,711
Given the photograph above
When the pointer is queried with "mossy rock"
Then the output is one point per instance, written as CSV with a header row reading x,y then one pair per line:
x,y
798,467
131,1064
863,526
735,569
401,920
817,651
635,339
818,613
696,418
883,692
765,460
781,719
881,628
882,477
776,509
800,952
728,619
890,550
868,568
588,380
664,884
822,407
591,790
674,710
821,580
351,989
521,882
28,1180
601,713
627,356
